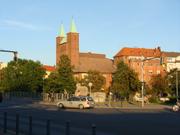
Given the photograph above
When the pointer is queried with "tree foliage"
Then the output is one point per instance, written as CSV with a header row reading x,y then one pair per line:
x,y
125,80
96,78
172,80
22,75
160,85
62,79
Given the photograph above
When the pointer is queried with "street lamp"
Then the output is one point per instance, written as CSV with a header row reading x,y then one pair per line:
x,y
142,77
90,85
177,83
143,59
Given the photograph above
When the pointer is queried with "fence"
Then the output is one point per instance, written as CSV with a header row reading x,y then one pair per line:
x,y
26,125
32,95
53,97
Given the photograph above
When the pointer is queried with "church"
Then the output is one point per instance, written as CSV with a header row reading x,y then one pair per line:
x,y
68,44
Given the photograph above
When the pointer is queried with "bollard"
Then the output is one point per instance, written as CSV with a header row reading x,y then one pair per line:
x,y
17,124
5,122
30,125
48,127
68,128
93,129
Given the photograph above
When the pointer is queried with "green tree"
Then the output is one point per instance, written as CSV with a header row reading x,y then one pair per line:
x,y
172,80
96,78
125,80
62,79
160,85
52,83
22,75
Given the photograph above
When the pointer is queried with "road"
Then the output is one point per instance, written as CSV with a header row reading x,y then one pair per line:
x,y
110,121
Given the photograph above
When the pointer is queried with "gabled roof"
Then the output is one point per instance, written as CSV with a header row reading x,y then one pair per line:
x,y
139,52
171,54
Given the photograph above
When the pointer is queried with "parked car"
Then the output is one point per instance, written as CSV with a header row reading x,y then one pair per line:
x,y
176,107
164,99
80,102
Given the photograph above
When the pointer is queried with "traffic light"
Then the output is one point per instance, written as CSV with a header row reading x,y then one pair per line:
x,y
15,56
161,61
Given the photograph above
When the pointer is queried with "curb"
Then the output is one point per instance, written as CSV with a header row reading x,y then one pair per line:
x,y
156,107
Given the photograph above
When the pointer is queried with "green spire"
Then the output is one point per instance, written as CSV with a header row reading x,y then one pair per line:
x,y
73,27
61,33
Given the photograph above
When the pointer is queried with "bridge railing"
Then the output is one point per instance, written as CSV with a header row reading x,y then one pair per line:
x,y
16,124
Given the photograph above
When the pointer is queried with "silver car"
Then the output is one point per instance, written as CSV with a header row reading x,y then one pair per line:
x,y
80,102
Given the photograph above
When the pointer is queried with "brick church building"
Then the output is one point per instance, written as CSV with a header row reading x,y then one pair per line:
x,y
68,44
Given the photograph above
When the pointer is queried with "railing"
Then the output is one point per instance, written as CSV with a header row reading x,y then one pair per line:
x,y
16,124
9,95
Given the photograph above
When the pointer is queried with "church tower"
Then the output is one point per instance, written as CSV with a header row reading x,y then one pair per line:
x,y
73,43
68,45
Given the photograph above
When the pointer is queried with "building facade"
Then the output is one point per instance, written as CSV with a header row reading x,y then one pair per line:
x,y
171,60
83,62
135,57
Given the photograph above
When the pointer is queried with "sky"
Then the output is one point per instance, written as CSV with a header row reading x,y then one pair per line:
x,y
105,26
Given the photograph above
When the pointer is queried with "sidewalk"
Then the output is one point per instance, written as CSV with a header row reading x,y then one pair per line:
x,y
123,105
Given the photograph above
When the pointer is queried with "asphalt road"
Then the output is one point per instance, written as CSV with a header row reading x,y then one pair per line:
x,y
108,121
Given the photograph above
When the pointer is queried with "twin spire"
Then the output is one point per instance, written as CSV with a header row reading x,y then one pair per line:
x,y
72,29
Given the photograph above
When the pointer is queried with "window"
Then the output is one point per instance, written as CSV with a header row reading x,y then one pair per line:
x,y
150,71
158,72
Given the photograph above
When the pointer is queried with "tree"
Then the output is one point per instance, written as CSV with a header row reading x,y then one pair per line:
x,y
62,79
125,80
160,85
98,81
172,80
22,75
52,83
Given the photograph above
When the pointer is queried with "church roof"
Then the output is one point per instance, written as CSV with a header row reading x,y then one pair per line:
x,y
89,61
73,26
61,32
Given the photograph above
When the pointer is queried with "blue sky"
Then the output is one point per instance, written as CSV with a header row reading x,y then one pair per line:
x,y
105,26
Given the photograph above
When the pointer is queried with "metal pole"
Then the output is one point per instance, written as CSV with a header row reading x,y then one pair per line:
x,y
90,90
177,94
5,122
68,128
142,86
17,124
30,125
48,127
93,129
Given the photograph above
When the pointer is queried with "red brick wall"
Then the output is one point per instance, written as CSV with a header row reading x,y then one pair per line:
x,y
151,67
73,48
70,48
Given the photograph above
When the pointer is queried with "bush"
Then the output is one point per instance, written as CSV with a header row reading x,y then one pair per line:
x,y
153,99
172,100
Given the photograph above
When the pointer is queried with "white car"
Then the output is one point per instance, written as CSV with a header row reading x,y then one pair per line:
x,y
176,107
80,102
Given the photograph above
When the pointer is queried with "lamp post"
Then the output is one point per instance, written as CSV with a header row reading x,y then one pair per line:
x,y
142,77
143,59
90,85
177,83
